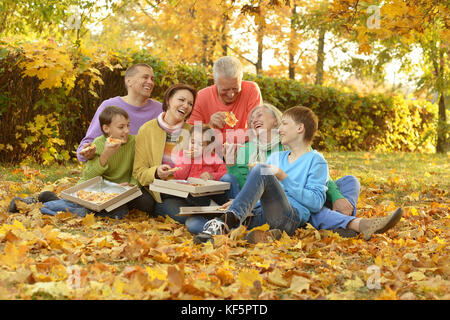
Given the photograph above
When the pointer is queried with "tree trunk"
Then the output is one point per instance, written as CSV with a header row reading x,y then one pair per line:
x,y
291,65
260,38
441,146
320,57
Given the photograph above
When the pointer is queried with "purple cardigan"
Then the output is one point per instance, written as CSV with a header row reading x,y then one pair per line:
x,y
138,116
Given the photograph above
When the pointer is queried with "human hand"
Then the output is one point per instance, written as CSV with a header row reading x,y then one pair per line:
x,y
206,176
163,171
88,151
217,120
108,151
343,206
125,184
271,169
226,205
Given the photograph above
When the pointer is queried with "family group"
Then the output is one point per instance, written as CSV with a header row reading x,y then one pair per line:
x,y
224,132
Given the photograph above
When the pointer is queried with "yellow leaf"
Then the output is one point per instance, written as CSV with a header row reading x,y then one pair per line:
x,y
88,220
352,285
416,276
298,284
275,277
155,274
264,227
249,277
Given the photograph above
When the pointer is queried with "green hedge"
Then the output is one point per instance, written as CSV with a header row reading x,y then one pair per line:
x,y
347,121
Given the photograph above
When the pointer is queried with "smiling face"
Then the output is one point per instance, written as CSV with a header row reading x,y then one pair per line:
x,y
119,128
141,82
180,105
262,120
290,131
228,89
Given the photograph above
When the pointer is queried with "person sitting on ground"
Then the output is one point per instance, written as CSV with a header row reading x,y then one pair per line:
x,y
263,122
139,82
112,161
228,94
291,187
158,144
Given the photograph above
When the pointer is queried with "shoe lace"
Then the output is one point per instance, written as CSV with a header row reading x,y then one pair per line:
x,y
214,227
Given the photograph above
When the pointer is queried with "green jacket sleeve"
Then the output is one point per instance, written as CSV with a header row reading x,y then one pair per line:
x,y
333,192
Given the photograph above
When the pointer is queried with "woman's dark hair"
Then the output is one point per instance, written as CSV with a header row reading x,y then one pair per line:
x,y
172,90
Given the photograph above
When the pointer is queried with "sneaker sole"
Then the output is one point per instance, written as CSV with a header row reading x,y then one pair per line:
x,y
346,233
203,238
396,216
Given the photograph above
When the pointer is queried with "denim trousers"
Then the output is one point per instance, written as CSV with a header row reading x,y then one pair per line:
x,y
170,205
273,208
195,224
329,219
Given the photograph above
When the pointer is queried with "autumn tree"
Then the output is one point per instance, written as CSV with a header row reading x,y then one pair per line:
x,y
400,27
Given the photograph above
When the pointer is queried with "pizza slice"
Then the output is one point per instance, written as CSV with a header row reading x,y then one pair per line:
x,y
88,148
111,140
230,119
172,170
96,196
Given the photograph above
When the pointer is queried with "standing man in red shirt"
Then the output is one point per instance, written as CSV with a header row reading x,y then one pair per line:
x,y
229,93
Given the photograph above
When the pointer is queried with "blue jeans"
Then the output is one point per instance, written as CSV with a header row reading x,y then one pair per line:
x,y
170,206
274,207
234,185
329,219
195,224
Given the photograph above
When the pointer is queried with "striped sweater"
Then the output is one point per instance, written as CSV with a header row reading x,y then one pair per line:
x,y
119,167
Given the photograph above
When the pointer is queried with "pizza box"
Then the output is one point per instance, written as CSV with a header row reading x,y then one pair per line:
x,y
194,186
126,194
188,211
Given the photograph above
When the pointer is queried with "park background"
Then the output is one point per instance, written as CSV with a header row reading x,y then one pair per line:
x,y
377,73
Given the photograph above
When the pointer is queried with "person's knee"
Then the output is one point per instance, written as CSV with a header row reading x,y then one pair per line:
x,y
350,181
228,178
194,226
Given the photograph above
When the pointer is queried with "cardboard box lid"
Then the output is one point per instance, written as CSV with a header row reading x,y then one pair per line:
x,y
127,194
203,186
187,211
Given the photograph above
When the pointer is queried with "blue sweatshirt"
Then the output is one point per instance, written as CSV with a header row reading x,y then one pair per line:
x,y
306,182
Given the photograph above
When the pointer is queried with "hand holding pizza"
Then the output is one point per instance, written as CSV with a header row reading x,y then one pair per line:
x,y
217,120
111,147
88,151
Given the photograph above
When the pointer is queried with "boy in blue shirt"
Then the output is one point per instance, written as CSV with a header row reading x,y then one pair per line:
x,y
287,189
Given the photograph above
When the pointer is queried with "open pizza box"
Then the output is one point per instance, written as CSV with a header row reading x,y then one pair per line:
x,y
98,184
194,186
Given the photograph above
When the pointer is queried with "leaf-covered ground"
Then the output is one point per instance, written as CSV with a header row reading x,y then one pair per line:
x,y
66,257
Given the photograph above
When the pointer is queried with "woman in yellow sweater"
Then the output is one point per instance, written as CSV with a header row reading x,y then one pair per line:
x,y
159,139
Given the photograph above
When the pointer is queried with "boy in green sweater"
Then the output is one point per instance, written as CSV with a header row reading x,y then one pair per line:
x,y
113,161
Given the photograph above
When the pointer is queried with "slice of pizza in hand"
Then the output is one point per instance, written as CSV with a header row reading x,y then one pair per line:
x,y
230,119
172,170
113,141
88,148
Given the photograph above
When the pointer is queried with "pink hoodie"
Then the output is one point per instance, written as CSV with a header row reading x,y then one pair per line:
x,y
190,168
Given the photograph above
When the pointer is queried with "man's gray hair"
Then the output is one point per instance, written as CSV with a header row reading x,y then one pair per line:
x,y
228,67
